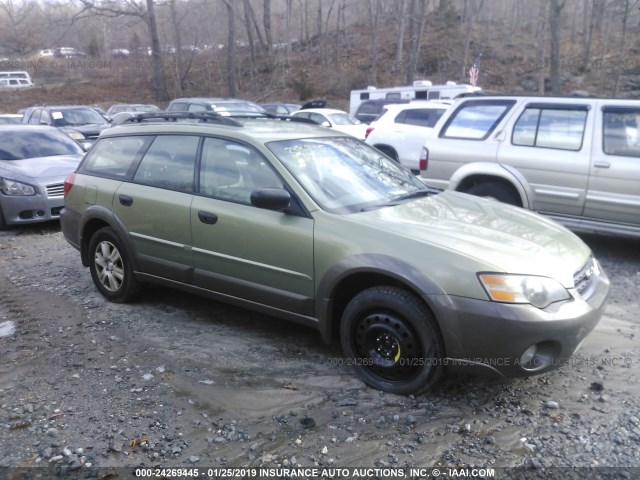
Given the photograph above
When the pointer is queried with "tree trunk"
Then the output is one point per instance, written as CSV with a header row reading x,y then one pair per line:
x,y
231,49
555,9
178,45
400,41
266,20
374,14
288,14
156,55
252,47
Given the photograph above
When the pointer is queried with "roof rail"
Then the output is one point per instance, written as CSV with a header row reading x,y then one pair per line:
x,y
290,118
212,117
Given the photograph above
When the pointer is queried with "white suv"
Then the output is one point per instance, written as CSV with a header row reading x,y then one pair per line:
x,y
401,129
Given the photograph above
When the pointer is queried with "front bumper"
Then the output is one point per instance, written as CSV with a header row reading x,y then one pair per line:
x,y
489,337
19,210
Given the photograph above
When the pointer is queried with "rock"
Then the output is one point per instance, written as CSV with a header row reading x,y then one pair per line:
x,y
347,402
552,405
597,386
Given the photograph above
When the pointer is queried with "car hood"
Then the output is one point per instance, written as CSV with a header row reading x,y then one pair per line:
x,y
44,167
504,238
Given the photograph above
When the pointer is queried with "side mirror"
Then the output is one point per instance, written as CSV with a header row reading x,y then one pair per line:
x,y
271,198
325,124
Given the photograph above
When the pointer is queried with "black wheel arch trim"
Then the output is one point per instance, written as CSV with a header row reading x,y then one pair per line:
x,y
97,212
370,265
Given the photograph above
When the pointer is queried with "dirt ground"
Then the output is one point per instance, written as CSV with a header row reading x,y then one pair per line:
x,y
174,380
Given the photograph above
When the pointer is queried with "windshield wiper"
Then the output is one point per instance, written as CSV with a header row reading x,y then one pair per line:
x,y
401,199
416,194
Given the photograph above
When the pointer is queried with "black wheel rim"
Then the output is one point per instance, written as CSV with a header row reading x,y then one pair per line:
x,y
388,346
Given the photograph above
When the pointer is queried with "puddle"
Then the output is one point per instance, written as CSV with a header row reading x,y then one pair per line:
x,y
7,328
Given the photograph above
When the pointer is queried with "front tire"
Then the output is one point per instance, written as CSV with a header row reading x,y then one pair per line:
x,y
111,267
392,339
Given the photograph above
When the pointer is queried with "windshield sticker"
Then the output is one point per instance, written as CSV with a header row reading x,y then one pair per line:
x,y
56,115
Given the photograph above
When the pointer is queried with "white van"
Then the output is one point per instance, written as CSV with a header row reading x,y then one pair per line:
x,y
17,79
420,90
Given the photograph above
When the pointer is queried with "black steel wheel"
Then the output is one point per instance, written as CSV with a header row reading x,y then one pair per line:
x,y
391,338
111,268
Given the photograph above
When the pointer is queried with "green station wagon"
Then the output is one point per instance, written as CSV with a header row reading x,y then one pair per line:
x,y
314,226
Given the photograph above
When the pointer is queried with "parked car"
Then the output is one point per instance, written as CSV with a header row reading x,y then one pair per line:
x,y
369,110
312,225
82,123
10,118
68,52
336,119
34,162
280,108
573,159
223,106
132,107
47,52
400,131
120,52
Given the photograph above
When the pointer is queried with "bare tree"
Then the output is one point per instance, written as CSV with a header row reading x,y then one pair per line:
x,y
555,11
374,15
288,14
266,20
400,40
231,48
627,6
417,17
471,8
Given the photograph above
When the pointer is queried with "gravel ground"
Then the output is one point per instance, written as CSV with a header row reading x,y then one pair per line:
x,y
174,380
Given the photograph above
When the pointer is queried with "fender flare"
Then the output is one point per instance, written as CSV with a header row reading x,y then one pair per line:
x,y
414,279
97,212
496,170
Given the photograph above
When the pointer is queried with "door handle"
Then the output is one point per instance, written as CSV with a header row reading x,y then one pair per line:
x,y
207,217
602,164
125,200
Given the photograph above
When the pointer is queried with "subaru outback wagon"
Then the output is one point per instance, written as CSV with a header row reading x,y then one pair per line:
x,y
314,226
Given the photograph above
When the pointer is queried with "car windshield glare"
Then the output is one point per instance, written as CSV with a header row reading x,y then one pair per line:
x,y
78,116
21,145
343,119
344,175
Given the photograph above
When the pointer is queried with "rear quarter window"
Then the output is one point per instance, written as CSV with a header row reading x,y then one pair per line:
x,y
113,157
557,128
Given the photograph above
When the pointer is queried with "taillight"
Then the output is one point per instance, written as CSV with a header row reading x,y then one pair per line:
x,y
367,132
68,183
424,159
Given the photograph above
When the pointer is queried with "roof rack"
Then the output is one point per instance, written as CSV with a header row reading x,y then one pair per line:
x,y
212,117
289,118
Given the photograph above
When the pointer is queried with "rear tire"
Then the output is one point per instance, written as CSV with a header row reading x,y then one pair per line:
x,y
3,222
391,338
111,267
496,191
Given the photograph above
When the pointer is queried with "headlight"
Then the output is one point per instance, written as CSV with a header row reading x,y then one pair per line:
x,y
77,136
13,188
538,291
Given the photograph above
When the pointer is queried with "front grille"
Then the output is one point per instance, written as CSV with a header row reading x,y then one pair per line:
x,y
584,278
55,190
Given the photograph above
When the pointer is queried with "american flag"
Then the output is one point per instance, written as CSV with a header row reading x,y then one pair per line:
x,y
474,71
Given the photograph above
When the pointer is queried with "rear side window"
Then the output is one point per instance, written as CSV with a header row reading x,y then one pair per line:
x,y
422,117
112,157
621,131
169,163
557,128
475,120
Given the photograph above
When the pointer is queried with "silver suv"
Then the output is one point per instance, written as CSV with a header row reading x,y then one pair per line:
x,y
576,160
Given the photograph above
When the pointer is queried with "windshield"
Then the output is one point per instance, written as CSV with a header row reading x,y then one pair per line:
x,y
237,109
344,175
76,116
18,145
